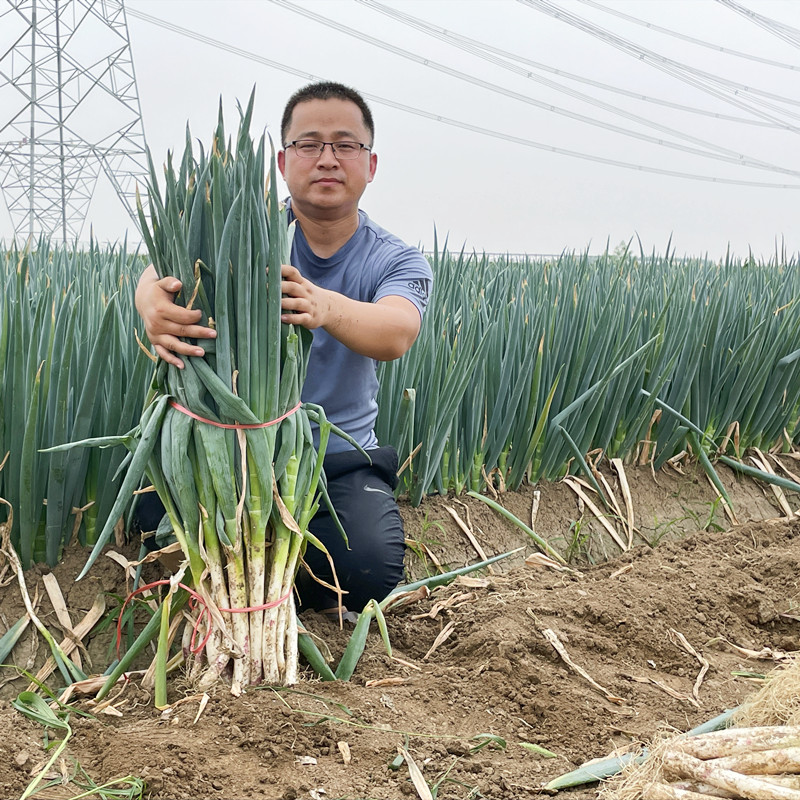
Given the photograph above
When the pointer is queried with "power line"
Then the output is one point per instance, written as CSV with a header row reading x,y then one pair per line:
x,y
779,29
691,39
487,53
451,37
698,78
182,31
723,154
649,55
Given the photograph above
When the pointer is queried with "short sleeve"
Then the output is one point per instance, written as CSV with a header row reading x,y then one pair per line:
x,y
407,274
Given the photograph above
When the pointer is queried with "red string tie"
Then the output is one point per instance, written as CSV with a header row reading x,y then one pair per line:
x,y
197,600
237,427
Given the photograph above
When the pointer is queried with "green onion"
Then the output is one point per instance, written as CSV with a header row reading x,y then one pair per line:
x,y
239,500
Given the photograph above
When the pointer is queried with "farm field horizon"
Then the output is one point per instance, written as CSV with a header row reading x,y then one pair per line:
x,y
522,368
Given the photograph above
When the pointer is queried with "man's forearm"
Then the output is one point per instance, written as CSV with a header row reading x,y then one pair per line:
x,y
384,330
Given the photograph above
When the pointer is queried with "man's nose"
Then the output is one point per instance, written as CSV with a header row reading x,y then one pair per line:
x,y
327,156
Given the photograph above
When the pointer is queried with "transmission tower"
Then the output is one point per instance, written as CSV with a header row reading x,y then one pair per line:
x,y
69,110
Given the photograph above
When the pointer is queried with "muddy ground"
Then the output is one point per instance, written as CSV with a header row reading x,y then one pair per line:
x,y
689,572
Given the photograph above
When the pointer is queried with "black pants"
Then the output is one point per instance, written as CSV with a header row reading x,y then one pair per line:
x,y
363,496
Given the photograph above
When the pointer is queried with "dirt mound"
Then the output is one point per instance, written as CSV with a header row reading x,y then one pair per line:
x,y
466,707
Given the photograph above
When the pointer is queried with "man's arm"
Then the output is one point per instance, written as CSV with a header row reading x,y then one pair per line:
x,y
383,330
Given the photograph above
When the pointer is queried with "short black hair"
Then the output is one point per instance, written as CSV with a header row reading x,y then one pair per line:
x,y
326,90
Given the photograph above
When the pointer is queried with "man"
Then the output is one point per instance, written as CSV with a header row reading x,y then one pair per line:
x,y
363,292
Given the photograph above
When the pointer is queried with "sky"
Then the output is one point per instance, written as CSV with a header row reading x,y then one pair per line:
x,y
485,161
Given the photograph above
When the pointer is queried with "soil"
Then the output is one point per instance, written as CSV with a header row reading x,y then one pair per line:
x,y
465,708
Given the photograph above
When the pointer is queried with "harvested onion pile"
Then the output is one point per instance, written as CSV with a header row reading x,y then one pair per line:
x,y
758,760
758,763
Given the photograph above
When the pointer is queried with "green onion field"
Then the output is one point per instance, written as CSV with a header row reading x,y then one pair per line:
x,y
619,433
522,368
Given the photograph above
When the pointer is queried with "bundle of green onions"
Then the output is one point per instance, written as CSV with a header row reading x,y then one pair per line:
x,y
226,441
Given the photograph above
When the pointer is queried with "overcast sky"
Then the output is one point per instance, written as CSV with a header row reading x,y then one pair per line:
x,y
513,191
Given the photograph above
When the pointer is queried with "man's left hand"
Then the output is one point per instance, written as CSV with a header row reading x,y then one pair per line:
x,y
310,304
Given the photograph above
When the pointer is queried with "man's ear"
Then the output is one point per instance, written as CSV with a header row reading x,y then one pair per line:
x,y
282,162
373,166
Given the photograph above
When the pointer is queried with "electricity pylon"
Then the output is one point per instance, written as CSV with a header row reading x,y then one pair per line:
x,y
69,110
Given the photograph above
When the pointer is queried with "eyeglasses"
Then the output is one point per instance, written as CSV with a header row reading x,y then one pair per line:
x,y
310,148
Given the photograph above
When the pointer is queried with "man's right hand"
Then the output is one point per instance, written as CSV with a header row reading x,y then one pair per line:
x,y
167,323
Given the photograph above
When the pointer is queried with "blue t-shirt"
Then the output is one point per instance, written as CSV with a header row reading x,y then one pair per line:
x,y
372,264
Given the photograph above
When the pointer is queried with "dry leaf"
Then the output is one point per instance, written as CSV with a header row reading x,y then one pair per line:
x,y
551,637
203,703
468,533
473,583
62,615
541,561
344,749
406,663
621,571
423,790
397,681
575,485
678,638
443,636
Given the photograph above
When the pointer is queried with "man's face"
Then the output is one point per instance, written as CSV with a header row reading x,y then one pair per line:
x,y
325,186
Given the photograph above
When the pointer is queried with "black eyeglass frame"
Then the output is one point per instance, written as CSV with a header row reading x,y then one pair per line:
x,y
333,145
